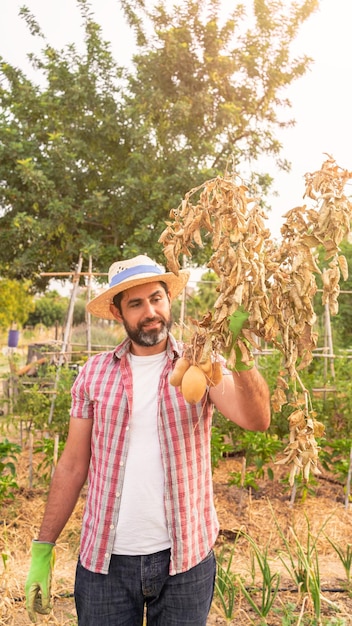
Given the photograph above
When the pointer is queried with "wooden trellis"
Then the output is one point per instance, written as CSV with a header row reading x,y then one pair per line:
x,y
68,325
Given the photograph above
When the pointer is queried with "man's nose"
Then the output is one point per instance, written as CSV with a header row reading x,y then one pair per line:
x,y
149,310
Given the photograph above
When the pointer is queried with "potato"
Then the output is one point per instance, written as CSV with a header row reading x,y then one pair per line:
x,y
206,367
194,384
181,366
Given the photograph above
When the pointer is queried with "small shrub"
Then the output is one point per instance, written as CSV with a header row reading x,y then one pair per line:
x,y
8,457
218,446
46,447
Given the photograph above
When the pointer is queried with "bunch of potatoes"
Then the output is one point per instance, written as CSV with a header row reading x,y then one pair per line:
x,y
194,378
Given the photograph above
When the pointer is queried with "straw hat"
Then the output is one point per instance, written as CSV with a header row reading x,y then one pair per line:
x,y
137,271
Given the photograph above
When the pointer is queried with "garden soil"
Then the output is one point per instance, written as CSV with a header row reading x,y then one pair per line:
x,y
267,515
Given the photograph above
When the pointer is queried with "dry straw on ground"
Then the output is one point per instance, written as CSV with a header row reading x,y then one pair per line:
x,y
238,510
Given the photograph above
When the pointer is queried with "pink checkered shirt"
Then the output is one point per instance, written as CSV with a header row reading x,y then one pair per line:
x,y
103,392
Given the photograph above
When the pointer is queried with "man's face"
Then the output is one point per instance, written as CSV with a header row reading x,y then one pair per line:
x,y
145,314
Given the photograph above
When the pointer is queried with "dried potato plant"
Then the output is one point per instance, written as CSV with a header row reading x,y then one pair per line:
x,y
274,282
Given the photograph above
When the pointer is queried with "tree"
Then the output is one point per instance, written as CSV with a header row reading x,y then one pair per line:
x,y
94,160
79,312
16,302
60,149
50,309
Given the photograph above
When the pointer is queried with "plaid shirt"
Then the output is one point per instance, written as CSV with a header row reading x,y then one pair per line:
x,y
103,392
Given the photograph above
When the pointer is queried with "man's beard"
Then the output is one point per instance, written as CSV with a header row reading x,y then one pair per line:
x,y
148,337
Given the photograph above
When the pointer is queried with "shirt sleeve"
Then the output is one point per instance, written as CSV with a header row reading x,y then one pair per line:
x,y
81,405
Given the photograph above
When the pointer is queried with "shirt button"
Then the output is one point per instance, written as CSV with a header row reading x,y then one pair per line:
x,y
112,526
106,556
118,494
121,463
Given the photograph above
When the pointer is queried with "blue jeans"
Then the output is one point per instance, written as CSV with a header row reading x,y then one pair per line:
x,y
133,582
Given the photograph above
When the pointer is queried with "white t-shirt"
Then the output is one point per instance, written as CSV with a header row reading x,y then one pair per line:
x,y
141,527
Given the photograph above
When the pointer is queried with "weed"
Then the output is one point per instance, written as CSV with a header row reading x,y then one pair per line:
x,y
345,557
303,567
269,583
225,584
8,456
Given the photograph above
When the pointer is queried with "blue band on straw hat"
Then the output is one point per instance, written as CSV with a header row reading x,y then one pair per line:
x,y
133,271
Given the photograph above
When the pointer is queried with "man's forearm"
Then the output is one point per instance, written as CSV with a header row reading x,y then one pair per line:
x,y
252,398
63,495
244,398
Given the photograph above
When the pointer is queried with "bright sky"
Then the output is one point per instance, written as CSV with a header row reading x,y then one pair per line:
x,y
321,100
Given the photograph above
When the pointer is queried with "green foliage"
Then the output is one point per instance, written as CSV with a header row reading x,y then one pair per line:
x,y
79,311
345,555
246,479
31,404
33,401
94,156
269,582
302,488
59,198
103,337
336,408
287,613
61,413
204,298
218,447
226,585
199,301
50,309
303,564
16,302
335,457
257,449
301,561
225,426
333,408
46,447
8,456
342,322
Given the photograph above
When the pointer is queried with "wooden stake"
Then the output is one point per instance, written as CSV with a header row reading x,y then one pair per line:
x,y
348,484
56,453
30,444
89,317
183,307
329,340
66,334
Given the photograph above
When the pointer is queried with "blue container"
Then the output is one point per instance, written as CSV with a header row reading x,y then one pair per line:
x,y
13,338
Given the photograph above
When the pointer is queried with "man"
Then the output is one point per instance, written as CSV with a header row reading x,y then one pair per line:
x,y
149,524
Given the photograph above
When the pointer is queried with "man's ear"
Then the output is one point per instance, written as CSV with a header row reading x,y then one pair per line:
x,y
116,313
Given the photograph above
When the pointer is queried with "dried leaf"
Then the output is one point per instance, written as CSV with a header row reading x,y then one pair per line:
x,y
343,266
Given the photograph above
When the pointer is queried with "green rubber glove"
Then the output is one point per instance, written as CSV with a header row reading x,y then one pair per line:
x,y
38,583
236,323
